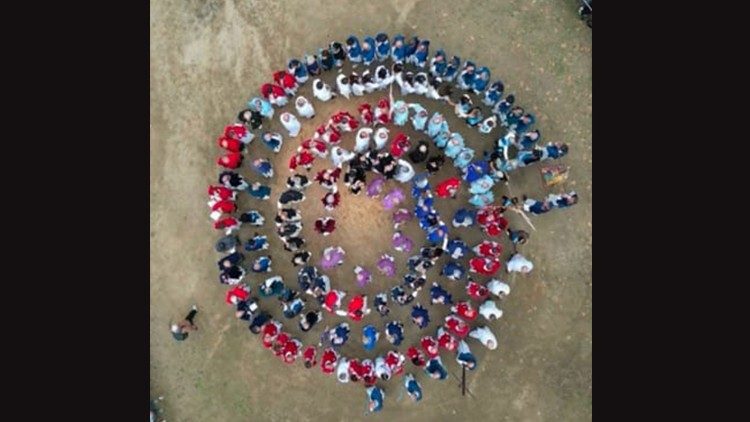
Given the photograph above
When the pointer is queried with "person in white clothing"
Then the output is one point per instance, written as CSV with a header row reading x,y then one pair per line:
x,y
339,156
485,336
362,142
381,138
498,288
322,91
343,85
358,88
342,370
490,311
404,171
291,124
383,77
304,107
518,263
382,370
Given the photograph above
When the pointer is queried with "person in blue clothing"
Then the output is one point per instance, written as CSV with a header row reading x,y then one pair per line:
x,y
453,270
438,295
464,157
535,207
370,336
273,140
253,218
474,116
273,286
481,80
257,243
262,106
259,191
529,139
463,218
420,316
398,49
262,167
299,70
394,332
353,49
293,308
436,369
262,264
411,48
464,356
524,123
452,68
312,65
375,396
457,248
553,151
493,95
438,64
476,170
368,50
437,233
467,76
413,389
503,107
234,258
382,46
326,59
419,56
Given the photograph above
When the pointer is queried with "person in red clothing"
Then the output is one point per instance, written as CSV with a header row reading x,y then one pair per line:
x,y
343,121
227,206
286,81
230,144
328,177
416,356
331,200
314,146
430,346
365,114
238,293
356,370
274,94
332,300
383,112
270,331
231,160
328,361
488,249
448,187
229,224
400,145
465,310
238,132
220,193
476,291
368,373
325,225
484,266
456,326
292,350
446,340
358,307
302,158
309,356
491,219
395,362
278,345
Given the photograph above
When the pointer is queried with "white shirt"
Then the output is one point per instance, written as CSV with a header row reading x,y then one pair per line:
x,y
381,137
484,335
323,94
292,125
381,368
339,155
517,262
498,288
358,89
306,110
490,308
344,90
363,139
342,370
404,171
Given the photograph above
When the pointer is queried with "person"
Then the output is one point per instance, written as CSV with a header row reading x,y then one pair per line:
x,y
293,308
477,291
394,332
291,124
465,310
326,59
298,182
339,156
309,356
358,88
231,160
400,216
298,70
488,124
387,265
485,336
262,264
332,257
289,197
498,288
382,370
275,94
362,275
261,106
342,370
435,369
343,85
381,304
331,200
245,309
490,311
328,177
287,81
304,107
263,167
329,360
420,117
493,95
362,141
309,319
322,91
227,244
446,340
368,50
453,270
419,154
430,346
353,50
382,46
340,334
231,145
420,316
434,163
259,191
237,294
357,307
416,356
457,248
488,249
464,356
401,242
456,326
325,225
375,397
312,65
518,263
370,336
332,301
413,389
232,275
181,329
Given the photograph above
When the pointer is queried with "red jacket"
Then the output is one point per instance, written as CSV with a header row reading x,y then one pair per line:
x,y
400,145
236,131
231,161
225,206
271,90
332,299
430,346
488,249
465,311
355,308
226,223
310,144
446,186
284,79
394,362
485,266
365,114
414,353
309,355
448,342
302,158
290,351
476,291
230,144
270,332
383,111
456,326
328,362
239,292
221,192
356,369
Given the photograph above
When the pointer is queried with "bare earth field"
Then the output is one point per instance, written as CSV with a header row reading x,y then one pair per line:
x,y
209,57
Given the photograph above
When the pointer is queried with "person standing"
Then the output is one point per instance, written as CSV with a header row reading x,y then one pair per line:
x,y
181,329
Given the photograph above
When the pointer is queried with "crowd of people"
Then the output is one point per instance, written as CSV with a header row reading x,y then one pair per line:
x,y
386,158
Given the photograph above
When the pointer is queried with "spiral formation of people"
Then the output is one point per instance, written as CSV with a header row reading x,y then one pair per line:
x,y
397,150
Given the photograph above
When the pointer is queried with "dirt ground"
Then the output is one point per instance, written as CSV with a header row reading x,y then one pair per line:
x,y
209,57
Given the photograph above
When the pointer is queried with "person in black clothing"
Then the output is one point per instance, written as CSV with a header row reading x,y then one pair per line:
x,y
250,118
301,258
419,154
434,163
308,320
230,260
232,180
258,322
181,329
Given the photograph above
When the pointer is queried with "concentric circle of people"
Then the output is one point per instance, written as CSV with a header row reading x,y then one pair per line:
x,y
385,156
